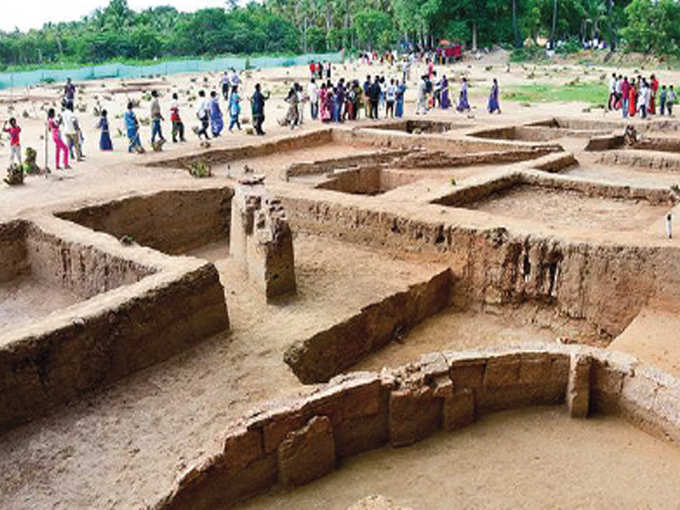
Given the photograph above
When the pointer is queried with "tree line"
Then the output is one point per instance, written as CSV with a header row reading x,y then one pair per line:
x,y
301,26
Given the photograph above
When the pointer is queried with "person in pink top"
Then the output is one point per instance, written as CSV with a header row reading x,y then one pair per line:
x,y
14,140
56,136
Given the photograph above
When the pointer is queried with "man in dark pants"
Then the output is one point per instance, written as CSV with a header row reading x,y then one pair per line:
x,y
257,105
374,98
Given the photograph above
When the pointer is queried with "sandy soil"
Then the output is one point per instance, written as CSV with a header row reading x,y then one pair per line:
x,y
118,448
571,209
134,438
26,299
514,459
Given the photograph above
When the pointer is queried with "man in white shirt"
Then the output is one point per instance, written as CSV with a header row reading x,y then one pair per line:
x,y
71,129
313,93
234,80
203,115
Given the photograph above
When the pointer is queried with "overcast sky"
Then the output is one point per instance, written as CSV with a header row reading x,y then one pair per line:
x,y
27,14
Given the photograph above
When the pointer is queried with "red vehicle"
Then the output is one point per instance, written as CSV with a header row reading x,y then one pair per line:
x,y
451,51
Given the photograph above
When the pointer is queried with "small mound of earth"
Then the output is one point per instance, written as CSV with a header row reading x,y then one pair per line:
x,y
376,503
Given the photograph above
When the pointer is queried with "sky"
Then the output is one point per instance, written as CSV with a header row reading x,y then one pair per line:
x,y
28,14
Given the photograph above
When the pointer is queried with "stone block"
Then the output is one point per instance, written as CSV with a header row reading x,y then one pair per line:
x,y
241,447
458,409
502,371
414,414
308,453
467,373
578,388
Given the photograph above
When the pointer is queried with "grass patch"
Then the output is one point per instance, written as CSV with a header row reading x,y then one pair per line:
x,y
587,92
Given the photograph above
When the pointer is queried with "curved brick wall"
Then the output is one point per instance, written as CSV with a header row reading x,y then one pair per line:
x,y
297,441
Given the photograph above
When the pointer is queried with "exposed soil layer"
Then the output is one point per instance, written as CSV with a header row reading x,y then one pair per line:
x,y
545,466
458,330
140,434
570,209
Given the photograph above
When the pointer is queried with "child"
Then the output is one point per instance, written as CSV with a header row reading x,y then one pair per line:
x,y
670,99
105,138
662,100
177,124
14,141
53,126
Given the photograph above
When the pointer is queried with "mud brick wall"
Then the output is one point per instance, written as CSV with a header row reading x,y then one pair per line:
x,y
173,222
82,269
106,339
530,134
605,285
218,156
386,138
365,180
650,161
327,165
13,260
296,441
329,352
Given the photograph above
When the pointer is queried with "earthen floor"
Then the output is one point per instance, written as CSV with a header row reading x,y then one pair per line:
x,y
570,209
25,299
532,458
133,439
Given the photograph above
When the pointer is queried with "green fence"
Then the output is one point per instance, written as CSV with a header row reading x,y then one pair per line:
x,y
26,79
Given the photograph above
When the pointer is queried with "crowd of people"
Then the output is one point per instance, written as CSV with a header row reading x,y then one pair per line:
x,y
338,101
640,96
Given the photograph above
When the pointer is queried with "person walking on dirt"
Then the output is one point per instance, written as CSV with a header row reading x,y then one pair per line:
x,y
203,115
53,126
257,107
176,119
132,128
14,132
156,118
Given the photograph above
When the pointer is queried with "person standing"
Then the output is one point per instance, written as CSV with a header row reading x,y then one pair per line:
x,y
176,119
69,92
156,118
463,104
339,101
643,99
612,93
399,100
421,99
358,98
234,109
325,103
216,119
105,144
71,129
313,93
632,98
132,127
225,83
444,99
53,126
203,115
625,97
494,105
14,132
328,70
234,80
374,98
390,98
662,101
653,89
670,100
257,106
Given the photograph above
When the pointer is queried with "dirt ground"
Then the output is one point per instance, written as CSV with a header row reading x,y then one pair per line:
x,y
502,462
571,209
26,299
118,448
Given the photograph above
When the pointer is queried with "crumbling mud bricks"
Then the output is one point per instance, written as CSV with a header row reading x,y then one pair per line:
x,y
261,241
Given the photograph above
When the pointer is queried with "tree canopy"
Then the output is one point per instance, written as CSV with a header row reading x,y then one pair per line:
x,y
294,26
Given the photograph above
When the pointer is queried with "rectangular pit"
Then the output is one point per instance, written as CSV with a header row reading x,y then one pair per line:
x,y
519,133
369,180
102,311
419,126
565,204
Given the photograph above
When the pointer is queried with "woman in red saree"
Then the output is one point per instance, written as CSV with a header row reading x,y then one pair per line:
x,y
655,86
632,100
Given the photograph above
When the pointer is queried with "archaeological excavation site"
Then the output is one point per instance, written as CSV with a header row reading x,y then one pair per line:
x,y
412,314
